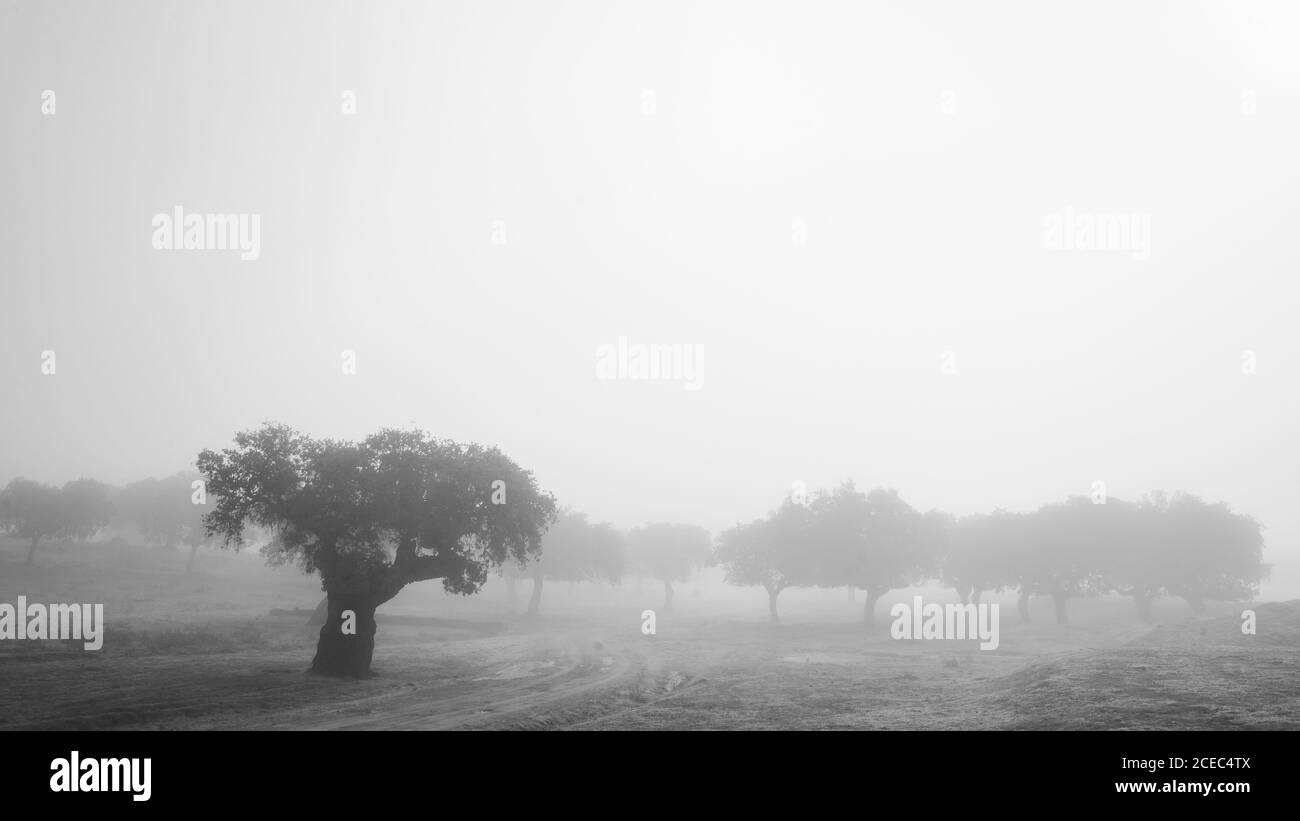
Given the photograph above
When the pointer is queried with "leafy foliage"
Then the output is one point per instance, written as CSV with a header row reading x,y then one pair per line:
x,y
669,552
577,550
375,515
31,510
163,510
86,508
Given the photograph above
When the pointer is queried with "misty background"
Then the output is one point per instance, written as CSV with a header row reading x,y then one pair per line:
x,y
650,167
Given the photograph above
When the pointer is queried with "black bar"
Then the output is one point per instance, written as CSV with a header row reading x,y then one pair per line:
x,y
330,771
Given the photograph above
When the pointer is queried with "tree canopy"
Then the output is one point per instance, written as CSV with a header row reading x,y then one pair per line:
x,y
773,553
164,510
31,510
1157,546
577,550
669,552
86,508
1179,546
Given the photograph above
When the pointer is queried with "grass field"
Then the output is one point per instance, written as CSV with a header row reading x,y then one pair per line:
x,y
227,647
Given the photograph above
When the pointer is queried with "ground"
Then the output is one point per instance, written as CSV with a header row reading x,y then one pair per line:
x,y
227,648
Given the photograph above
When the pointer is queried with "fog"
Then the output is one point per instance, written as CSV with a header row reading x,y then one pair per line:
x,y
649,169
990,256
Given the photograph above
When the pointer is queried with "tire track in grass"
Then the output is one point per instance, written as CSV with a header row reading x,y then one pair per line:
x,y
486,700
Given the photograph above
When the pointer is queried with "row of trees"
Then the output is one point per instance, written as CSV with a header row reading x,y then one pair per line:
x,y
1160,545
843,537
166,512
400,507
577,550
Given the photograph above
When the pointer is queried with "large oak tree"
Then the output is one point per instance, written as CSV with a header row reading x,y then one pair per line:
x,y
374,516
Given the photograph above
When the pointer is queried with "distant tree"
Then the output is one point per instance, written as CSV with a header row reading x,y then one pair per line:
x,y
194,533
374,516
86,508
984,556
31,510
133,504
1157,546
1210,553
836,537
576,550
934,541
163,510
1131,551
1062,552
773,553
900,552
878,540
669,552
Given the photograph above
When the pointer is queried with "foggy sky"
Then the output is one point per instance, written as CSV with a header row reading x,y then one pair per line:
x,y
651,164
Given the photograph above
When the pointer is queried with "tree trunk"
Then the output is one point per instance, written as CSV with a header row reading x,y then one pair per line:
x,y
771,604
668,596
31,553
341,654
535,601
1022,607
869,609
975,596
1143,601
853,594
963,593
512,592
189,565
1060,599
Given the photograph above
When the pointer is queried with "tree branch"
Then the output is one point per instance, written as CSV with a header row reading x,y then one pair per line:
x,y
408,568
